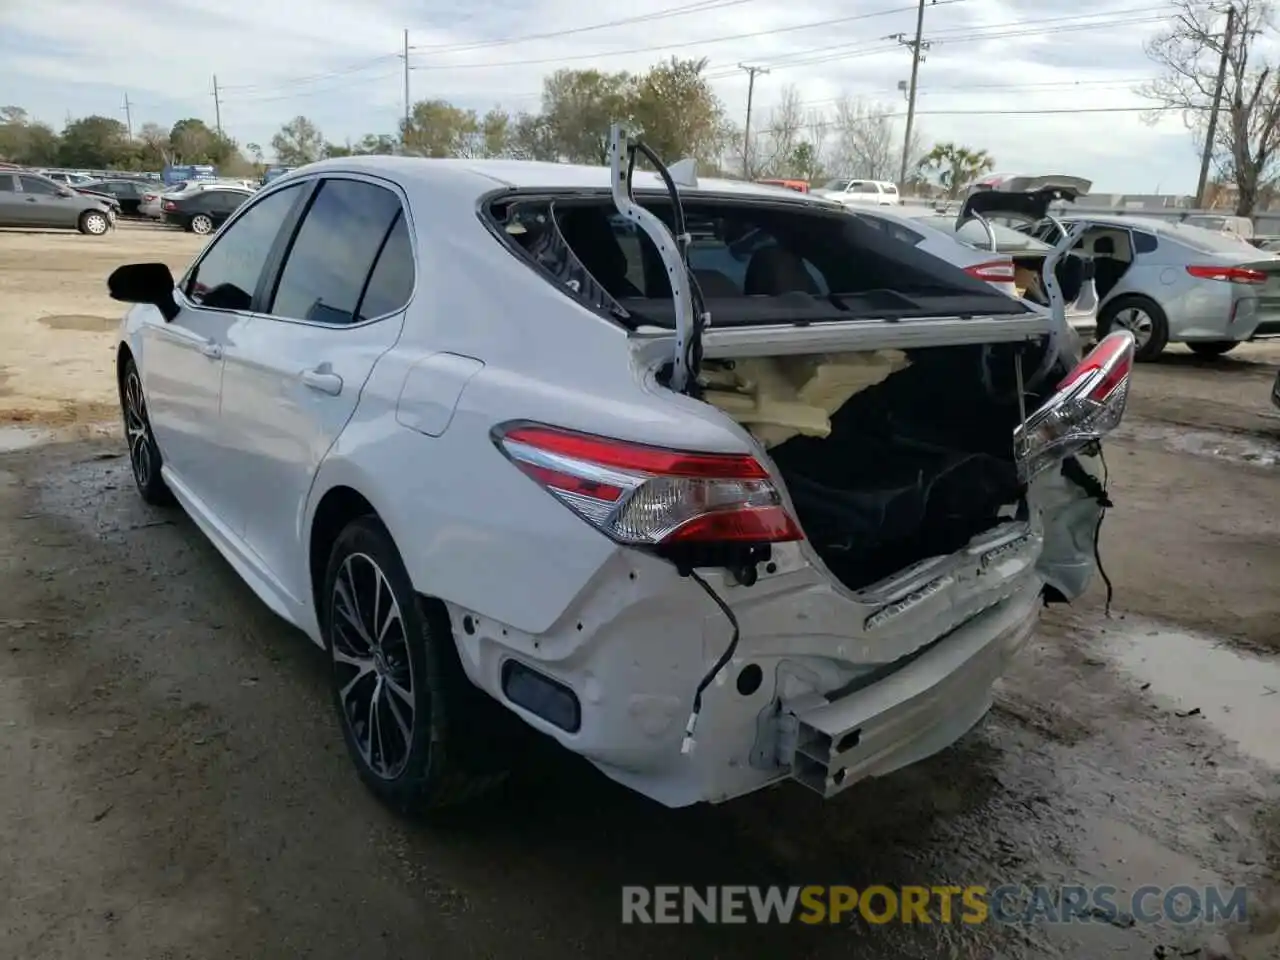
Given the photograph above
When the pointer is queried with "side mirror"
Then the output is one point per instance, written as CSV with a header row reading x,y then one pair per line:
x,y
144,283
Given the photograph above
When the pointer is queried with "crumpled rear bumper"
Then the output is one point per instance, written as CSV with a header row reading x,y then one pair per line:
x,y
917,709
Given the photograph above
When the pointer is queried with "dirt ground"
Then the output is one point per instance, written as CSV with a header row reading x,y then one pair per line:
x,y
58,323
173,783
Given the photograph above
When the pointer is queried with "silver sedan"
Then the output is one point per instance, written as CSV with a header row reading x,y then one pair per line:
x,y
1174,283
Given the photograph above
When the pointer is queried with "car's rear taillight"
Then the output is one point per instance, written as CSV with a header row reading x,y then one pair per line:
x,y
650,496
1228,274
1089,403
170,206
994,271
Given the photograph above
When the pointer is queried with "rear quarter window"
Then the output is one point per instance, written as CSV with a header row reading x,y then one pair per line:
x,y
1144,242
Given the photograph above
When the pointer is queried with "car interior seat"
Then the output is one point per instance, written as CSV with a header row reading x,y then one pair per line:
x,y
773,271
594,243
1107,267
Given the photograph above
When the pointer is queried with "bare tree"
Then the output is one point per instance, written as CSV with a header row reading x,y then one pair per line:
x,y
771,151
865,140
1188,53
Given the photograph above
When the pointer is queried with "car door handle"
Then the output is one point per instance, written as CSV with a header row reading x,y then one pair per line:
x,y
323,381
212,350
33,199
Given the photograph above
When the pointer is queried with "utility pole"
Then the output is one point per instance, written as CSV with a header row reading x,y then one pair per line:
x,y
746,130
128,116
1217,103
406,84
217,106
918,46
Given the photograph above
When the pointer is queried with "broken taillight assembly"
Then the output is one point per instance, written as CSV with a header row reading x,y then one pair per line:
x,y
652,496
1088,404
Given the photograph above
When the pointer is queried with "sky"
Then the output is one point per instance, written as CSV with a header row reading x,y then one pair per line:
x,y
339,64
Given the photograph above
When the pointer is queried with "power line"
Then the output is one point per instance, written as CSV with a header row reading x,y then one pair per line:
x,y
1013,112
701,7
849,50
504,64
316,78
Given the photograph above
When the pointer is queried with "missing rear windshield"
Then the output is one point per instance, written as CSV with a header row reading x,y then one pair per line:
x,y
753,262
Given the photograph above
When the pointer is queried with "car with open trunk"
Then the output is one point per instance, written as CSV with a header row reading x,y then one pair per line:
x,y
714,484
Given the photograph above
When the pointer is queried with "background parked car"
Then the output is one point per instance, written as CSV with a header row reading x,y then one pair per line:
x,y
128,193
203,211
72,179
878,192
1174,283
1026,255
152,204
30,200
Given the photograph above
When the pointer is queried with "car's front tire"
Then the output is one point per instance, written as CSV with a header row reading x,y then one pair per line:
x,y
420,734
144,453
93,223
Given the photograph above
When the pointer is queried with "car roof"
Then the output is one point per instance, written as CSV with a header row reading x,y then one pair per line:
x,y
482,176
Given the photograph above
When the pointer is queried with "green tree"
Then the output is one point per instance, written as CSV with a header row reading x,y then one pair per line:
x,y
529,138
956,166
804,161
437,128
678,113
495,133
97,142
578,106
381,144
299,141
25,141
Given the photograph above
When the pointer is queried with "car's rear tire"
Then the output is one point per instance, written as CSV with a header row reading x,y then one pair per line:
x,y
421,735
201,224
93,223
1143,318
144,454
1212,348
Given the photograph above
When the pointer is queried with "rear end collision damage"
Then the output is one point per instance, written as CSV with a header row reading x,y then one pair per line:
x,y
836,600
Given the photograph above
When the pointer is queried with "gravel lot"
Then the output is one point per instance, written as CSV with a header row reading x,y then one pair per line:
x,y
173,784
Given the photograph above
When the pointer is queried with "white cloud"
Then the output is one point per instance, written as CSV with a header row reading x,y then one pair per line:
x,y
337,62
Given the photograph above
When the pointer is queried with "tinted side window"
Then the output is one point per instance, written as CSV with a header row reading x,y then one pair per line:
x,y
6,183
38,186
391,283
332,254
1144,242
228,274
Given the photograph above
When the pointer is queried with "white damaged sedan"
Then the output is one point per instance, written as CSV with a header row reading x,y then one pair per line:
x,y
716,486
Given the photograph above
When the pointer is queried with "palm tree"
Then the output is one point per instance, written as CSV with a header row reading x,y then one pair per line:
x,y
956,166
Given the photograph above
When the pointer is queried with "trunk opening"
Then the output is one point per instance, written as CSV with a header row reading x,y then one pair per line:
x,y
917,459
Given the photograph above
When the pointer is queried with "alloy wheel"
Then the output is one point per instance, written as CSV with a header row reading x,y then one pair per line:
x,y
1138,322
201,225
372,662
137,430
96,224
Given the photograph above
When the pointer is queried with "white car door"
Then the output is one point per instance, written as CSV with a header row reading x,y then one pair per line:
x,y
182,358
294,374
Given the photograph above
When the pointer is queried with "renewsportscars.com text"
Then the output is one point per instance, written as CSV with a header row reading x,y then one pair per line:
x,y
1006,904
